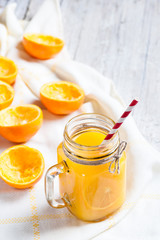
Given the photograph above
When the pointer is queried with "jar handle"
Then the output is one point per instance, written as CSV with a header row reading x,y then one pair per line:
x,y
51,174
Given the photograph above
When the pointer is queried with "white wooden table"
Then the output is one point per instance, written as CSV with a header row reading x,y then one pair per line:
x,y
121,39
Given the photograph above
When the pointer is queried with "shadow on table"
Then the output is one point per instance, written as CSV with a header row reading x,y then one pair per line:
x,y
57,219
22,54
38,103
46,114
8,193
4,144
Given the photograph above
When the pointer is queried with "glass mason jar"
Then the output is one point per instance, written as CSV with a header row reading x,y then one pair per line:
x,y
92,176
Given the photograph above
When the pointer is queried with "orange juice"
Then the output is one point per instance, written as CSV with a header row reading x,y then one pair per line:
x,y
91,191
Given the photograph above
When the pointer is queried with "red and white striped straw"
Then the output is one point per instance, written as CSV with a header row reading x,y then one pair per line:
x,y
121,120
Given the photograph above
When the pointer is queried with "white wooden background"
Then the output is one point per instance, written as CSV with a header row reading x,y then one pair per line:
x,y
121,39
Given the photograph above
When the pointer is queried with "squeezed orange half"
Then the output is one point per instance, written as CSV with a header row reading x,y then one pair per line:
x,y
61,97
6,95
42,46
20,123
92,192
8,70
21,166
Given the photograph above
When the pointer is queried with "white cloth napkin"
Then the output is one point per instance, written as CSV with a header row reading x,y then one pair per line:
x,y
25,214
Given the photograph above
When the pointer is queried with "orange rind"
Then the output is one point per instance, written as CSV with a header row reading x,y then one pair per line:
x,y
6,95
8,70
42,46
21,166
20,123
61,97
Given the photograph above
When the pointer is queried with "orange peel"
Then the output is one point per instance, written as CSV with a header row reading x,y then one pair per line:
x,y
61,97
20,123
21,166
8,70
42,46
6,95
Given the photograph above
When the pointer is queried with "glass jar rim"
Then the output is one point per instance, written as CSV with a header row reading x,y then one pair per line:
x,y
96,116
93,155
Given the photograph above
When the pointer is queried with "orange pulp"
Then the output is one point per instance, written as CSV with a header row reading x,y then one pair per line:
x,y
92,192
21,166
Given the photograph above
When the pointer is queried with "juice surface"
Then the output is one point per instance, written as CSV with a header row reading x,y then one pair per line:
x,y
92,192
88,138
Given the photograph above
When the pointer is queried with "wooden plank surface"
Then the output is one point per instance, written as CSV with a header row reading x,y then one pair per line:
x,y
120,39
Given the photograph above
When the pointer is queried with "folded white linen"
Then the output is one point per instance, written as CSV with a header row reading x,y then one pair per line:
x,y
25,214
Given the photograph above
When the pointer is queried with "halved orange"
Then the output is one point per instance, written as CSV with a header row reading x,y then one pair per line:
x,y
21,166
6,95
8,70
42,46
61,97
20,123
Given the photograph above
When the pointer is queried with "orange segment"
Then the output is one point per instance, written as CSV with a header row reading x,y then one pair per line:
x,y
21,166
8,70
101,192
42,46
20,123
61,97
6,95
